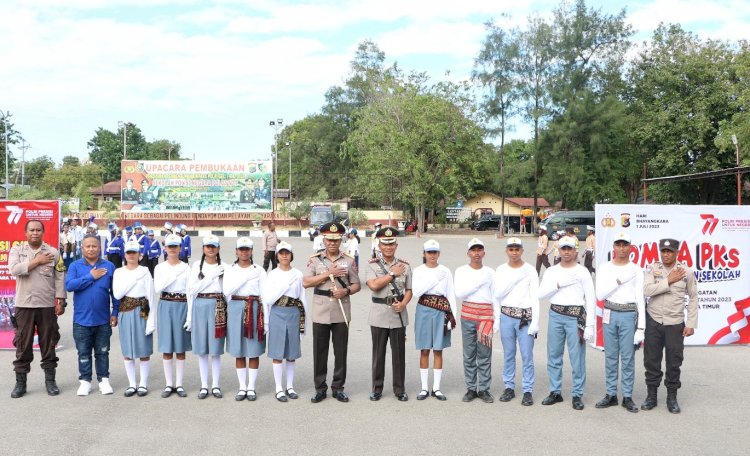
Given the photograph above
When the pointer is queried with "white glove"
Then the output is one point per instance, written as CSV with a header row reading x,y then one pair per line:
x,y
638,337
449,326
150,328
188,325
588,333
219,271
567,281
265,327
533,327
496,327
627,278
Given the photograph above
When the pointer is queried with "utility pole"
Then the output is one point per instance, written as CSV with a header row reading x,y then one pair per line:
x,y
24,147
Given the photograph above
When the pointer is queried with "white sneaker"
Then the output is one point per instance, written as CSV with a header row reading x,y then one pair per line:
x,y
105,387
84,389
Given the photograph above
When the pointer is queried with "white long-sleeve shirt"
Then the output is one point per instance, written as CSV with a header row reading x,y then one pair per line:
x,y
434,281
247,281
211,282
352,247
474,285
135,283
172,279
575,289
280,283
630,290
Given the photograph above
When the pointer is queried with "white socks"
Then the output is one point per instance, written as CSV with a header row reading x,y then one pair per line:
x,y
290,374
438,373
215,370
180,371
145,367
253,375
278,370
423,373
242,377
168,372
130,370
203,368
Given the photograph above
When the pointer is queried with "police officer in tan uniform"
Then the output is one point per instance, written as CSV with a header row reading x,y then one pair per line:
x,y
333,276
666,284
588,255
389,279
40,299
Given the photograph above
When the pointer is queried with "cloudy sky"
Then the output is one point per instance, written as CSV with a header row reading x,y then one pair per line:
x,y
212,74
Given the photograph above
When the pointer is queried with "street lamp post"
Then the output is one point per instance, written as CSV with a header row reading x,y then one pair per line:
x,y
289,145
124,126
276,125
739,176
7,156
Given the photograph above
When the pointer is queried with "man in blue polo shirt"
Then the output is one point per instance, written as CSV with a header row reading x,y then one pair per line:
x,y
90,280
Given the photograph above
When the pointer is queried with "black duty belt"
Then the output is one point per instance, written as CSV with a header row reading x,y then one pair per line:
x,y
326,293
389,300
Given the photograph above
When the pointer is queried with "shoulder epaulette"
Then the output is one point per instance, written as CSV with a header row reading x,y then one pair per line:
x,y
346,254
314,255
404,261
372,260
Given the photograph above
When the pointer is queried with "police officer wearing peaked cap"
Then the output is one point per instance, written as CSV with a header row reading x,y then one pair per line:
x,y
333,276
666,284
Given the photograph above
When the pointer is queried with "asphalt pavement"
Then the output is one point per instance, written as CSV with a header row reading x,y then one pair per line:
x,y
713,400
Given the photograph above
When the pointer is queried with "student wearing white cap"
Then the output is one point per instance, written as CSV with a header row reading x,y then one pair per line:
x,y
619,283
167,231
243,282
170,289
588,256
570,290
434,318
517,319
285,308
134,287
474,290
207,314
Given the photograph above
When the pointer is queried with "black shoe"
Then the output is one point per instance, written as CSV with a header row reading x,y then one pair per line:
x,y
251,396
216,391
142,391
470,396
281,396
672,404
608,401
437,394
240,396
20,388
553,398
340,396
49,382
577,403
167,392
129,392
403,397
651,397
486,397
629,405
180,391
376,396
422,395
291,394
507,395
202,394
527,399
319,396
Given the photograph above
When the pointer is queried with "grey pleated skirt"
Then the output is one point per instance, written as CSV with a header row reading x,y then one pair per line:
x,y
283,333
429,327
203,330
170,327
238,345
134,342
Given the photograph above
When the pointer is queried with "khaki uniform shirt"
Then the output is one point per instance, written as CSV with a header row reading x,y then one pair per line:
x,y
591,242
40,286
666,303
542,245
269,241
326,310
383,315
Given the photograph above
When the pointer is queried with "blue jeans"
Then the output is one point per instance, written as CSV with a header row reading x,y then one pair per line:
x,y
618,345
561,330
96,338
509,334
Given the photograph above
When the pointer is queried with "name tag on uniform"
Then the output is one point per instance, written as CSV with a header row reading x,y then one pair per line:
x,y
606,316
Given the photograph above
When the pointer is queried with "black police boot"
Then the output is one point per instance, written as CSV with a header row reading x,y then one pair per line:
x,y
650,401
49,382
20,388
672,404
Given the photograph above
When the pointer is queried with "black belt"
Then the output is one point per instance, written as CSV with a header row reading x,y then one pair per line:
x,y
389,300
327,293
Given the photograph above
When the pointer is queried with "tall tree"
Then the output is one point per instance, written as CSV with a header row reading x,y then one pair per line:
x,y
36,168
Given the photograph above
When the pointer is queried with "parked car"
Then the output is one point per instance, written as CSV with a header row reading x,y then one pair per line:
x,y
563,219
492,222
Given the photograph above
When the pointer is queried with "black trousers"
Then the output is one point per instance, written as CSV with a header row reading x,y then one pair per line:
x,y
44,321
151,263
116,259
380,338
662,339
323,334
588,261
269,257
542,259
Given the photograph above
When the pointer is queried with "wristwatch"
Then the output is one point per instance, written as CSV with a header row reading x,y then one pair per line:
x,y
393,276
